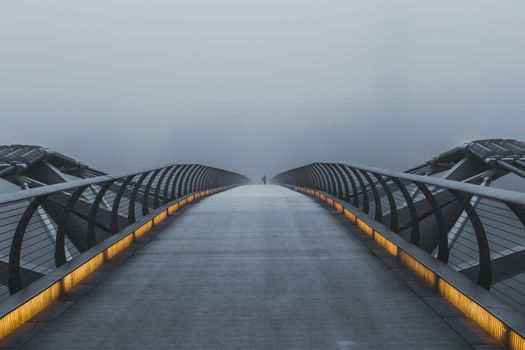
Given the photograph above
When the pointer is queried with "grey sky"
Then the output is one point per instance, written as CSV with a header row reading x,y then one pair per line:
x,y
260,86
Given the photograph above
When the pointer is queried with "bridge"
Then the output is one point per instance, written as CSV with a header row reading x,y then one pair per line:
x,y
329,256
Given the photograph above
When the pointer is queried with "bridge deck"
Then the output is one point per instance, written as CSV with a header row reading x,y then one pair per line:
x,y
253,267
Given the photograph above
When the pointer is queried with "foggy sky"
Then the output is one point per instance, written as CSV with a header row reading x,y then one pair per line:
x,y
260,86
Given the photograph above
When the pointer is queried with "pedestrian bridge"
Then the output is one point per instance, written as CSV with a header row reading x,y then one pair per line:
x,y
252,267
329,256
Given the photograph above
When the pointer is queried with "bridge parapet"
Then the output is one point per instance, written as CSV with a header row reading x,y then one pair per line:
x,y
454,235
54,236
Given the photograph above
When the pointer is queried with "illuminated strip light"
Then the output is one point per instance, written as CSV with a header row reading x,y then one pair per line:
x,y
478,314
24,312
142,230
349,215
74,277
161,217
363,226
118,247
516,341
385,243
418,268
482,317
173,208
27,310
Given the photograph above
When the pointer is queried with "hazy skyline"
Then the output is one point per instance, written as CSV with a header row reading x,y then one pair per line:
x,y
259,87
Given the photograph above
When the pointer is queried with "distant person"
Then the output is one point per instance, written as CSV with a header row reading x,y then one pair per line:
x,y
264,179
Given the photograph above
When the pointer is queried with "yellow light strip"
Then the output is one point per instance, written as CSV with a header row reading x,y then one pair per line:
x,y
24,312
142,230
418,268
159,218
338,206
173,208
363,226
119,246
385,243
515,341
482,317
487,321
349,215
74,277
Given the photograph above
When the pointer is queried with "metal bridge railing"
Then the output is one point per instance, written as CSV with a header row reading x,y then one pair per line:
x,y
45,227
478,231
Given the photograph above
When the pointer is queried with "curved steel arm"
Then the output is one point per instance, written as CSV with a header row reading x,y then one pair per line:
x,y
15,251
156,202
443,252
378,213
440,200
116,204
54,212
60,248
91,238
391,202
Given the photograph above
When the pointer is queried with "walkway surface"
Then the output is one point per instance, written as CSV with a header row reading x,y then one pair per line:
x,y
253,267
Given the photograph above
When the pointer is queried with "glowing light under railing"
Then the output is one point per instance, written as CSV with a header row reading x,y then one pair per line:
x,y
385,243
516,341
24,312
27,310
349,215
363,226
159,218
142,230
119,246
418,268
173,208
74,277
481,316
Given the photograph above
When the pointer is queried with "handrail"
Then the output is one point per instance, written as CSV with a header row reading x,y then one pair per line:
x,y
498,194
479,231
505,324
42,228
22,194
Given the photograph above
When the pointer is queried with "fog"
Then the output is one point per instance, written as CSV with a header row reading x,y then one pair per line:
x,y
260,86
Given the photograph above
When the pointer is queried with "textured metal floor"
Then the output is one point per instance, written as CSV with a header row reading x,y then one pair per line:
x,y
254,267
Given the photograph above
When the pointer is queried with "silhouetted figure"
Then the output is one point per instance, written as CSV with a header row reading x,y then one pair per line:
x,y
264,179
